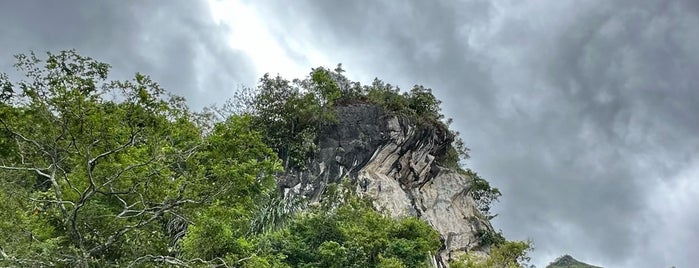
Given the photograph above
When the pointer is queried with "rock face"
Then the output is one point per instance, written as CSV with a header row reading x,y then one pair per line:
x,y
393,161
566,261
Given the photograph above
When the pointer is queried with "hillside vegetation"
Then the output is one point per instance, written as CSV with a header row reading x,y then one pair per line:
x,y
566,261
103,173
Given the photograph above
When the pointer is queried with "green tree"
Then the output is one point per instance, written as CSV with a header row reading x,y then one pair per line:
x,y
97,172
287,118
423,103
387,96
101,166
237,174
347,232
482,192
511,254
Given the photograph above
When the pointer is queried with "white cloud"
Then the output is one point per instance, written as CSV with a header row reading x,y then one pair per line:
x,y
671,224
250,35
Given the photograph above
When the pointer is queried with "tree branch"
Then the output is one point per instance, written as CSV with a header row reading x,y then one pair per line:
x,y
92,162
156,213
50,177
163,259
22,137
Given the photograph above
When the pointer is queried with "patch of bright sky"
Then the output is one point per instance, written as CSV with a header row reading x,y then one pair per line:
x,y
250,34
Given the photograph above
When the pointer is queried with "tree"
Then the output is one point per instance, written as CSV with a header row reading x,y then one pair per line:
x,y
105,165
287,118
482,192
423,103
346,231
237,174
95,171
511,254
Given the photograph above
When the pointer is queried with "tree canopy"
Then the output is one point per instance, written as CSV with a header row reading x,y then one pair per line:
x,y
95,170
112,173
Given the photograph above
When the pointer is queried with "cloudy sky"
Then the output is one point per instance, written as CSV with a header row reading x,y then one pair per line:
x,y
584,113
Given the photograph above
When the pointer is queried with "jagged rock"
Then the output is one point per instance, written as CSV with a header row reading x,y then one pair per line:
x,y
566,261
392,160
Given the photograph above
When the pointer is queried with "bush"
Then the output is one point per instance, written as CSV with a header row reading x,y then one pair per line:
x,y
511,254
483,193
353,235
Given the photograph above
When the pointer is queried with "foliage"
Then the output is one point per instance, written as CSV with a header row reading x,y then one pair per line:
x,y
490,238
288,119
291,114
353,235
92,170
482,192
274,212
567,261
99,172
511,254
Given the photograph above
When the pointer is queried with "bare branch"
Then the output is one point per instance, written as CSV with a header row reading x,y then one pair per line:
x,y
92,162
155,211
163,259
50,177
37,170
52,201
22,137
221,262
24,262
65,177
126,169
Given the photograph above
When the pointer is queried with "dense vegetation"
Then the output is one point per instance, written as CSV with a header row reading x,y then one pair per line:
x,y
509,254
96,172
291,113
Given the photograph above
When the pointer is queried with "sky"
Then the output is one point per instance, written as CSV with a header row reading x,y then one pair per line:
x,y
583,113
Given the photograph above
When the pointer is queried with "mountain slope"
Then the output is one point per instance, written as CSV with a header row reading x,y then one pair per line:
x,y
567,261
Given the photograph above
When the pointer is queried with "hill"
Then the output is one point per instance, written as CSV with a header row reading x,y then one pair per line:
x,y
566,261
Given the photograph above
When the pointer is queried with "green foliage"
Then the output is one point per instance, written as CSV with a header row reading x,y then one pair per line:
x,y
92,170
391,262
455,153
423,103
482,192
567,261
387,96
490,238
290,114
274,212
289,118
511,254
97,172
101,174
354,235
324,86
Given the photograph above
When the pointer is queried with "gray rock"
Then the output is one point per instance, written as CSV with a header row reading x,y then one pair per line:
x,y
392,160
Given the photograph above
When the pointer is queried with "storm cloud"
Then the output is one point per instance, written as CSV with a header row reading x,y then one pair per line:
x,y
179,44
584,113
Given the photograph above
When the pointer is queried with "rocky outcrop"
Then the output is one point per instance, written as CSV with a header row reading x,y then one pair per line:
x,y
392,160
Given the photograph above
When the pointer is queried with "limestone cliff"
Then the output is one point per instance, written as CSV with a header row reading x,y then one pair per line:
x,y
393,160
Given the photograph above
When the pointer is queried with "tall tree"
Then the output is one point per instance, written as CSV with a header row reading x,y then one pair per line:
x,y
94,170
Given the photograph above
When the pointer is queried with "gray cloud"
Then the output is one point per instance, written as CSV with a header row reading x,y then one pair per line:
x,y
579,112
583,113
177,43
